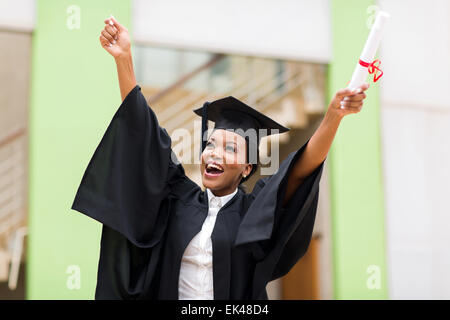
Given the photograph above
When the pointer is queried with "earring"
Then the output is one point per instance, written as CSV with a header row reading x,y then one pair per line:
x,y
244,176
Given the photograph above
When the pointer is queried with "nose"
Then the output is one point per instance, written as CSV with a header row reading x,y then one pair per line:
x,y
216,154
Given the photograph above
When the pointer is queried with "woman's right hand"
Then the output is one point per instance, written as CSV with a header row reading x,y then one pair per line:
x,y
115,39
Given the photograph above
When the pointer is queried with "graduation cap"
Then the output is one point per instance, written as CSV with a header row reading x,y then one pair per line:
x,y
232,114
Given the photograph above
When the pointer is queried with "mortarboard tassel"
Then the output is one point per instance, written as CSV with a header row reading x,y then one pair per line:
x,y
204,126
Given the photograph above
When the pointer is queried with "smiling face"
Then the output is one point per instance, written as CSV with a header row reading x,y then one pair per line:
x,y
224,162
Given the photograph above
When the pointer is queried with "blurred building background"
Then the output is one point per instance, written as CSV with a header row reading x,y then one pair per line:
x,y
382,227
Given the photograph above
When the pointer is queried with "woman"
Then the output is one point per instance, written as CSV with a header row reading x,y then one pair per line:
x,y
165,238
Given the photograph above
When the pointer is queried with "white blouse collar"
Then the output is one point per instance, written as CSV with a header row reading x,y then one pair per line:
x,y
215,201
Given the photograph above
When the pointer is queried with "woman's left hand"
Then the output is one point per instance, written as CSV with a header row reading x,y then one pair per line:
x,y
351,101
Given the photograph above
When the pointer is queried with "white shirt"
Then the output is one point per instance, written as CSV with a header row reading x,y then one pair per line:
x,y
196,272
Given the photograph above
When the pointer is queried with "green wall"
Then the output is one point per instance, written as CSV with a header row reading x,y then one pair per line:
x,y
355,168
74,96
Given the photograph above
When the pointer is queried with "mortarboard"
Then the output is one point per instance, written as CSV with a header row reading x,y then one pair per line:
x,y
232,114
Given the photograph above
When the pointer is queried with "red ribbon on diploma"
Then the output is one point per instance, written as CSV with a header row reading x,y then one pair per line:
x,y
373,67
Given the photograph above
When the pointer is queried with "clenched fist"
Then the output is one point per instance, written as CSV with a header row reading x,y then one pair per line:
x,y
115,38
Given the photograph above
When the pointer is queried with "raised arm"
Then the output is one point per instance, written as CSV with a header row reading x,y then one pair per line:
x,y
115,39
319,145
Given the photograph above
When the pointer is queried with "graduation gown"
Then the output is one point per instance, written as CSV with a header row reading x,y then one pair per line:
x,y
150,211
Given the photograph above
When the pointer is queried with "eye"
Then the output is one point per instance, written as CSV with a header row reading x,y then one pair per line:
x,y
231,148
209,144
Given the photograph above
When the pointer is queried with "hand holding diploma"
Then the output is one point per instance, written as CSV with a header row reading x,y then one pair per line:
x,y
366,64
351,97
348,101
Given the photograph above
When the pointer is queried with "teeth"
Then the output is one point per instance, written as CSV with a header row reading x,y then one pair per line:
x,y
211,165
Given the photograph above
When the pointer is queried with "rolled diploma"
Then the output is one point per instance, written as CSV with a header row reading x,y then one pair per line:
x,y
370,48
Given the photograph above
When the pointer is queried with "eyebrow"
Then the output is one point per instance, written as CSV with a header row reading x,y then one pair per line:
x,y
212,139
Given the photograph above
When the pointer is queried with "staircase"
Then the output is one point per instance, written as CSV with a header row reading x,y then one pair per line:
x,y
13,210
288,92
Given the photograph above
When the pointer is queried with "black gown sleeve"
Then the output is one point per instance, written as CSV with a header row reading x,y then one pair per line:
x,y
294,231
130,173
123,268
279,235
